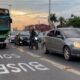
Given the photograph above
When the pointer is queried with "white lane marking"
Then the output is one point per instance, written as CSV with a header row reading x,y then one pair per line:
x,y
33,55
74,71
60,66
63,67
21,50
57,65
29,53
12,46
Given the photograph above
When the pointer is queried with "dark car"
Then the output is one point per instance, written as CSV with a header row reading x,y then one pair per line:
x,y
64,41
22,38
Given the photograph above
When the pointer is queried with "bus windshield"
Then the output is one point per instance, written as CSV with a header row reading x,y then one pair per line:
x,y
4,12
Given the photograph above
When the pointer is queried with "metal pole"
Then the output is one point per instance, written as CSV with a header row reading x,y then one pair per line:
x,y
10,6
49,7
49,13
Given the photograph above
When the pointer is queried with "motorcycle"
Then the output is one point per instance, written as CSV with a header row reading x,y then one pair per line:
x,y
34,43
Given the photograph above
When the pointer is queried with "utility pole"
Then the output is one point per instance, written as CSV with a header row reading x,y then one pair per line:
x,y
10,6
49,7
50,23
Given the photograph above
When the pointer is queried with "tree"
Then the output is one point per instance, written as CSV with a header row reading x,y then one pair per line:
x,y
52,19
62,21
72,16
75,21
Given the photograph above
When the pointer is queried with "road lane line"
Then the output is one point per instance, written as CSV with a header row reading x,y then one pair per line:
x,y
55,64
33,55
74,71
63,67
21,50
13,46
29,53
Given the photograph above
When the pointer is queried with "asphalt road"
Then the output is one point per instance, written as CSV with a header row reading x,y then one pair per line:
x,y
74,63
21,63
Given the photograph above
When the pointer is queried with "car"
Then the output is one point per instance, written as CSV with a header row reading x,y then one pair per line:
x,y
23,38
11,36
65,41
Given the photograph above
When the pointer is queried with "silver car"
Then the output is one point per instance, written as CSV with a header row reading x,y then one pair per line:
x,y
64,41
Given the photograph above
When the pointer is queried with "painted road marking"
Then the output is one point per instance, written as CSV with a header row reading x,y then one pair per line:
x,y
33,55
21,50
57,65
74,71
13,46
19,67
29,53
9,56
62,67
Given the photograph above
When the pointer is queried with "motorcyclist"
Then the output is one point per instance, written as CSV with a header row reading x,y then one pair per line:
x,y
32,35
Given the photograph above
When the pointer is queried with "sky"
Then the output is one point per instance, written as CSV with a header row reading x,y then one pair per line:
x,y
25,12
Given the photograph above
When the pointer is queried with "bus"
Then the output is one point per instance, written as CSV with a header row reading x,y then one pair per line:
x,y
5,26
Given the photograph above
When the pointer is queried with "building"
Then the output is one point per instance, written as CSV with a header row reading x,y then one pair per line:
x,y
39,27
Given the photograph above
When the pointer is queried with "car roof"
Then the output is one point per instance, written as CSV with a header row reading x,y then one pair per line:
x,y
24,32
66,28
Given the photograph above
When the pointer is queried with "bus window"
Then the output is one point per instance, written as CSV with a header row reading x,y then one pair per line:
x,y
4,12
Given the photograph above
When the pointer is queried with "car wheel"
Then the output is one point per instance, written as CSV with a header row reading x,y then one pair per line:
x,y
67,53
46,51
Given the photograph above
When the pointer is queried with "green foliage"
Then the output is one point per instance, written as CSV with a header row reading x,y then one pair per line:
x,y
73,21
53,17
62,21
